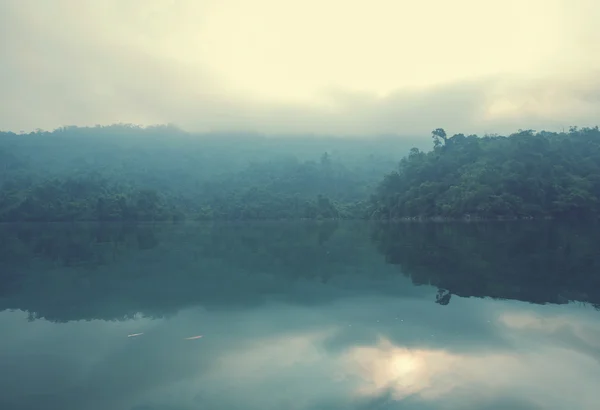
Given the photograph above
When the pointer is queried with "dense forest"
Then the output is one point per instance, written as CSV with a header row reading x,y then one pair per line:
x,y
128,173
131,173
525,175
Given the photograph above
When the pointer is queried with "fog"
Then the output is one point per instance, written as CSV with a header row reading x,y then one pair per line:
x,y
347,68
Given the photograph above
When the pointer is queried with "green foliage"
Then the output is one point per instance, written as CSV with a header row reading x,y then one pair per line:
x,y
129,173
524,175
83,199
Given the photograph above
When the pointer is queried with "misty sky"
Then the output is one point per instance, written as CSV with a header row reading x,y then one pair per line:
x,y
282,66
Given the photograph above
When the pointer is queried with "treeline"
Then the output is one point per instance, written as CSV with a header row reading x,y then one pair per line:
x,y
525,175
129,173
82,199
261,192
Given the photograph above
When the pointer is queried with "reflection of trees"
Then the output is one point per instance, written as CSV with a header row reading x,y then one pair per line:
x,y
70,271
539,262
294,249
70,245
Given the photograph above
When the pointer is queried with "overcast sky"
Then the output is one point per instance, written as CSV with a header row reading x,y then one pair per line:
x,y
321,66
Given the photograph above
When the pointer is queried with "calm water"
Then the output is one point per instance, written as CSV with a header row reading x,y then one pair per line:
x,y
300,316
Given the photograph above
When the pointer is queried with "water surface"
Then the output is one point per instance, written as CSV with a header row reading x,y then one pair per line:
x,y
299,316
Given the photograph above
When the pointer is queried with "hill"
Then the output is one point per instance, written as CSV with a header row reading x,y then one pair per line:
x,y
126,172
130,173
524,175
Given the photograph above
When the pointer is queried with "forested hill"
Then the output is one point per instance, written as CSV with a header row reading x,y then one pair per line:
x,y
126,172
527,174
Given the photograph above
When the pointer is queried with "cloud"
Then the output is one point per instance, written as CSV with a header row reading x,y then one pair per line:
x,y
339,68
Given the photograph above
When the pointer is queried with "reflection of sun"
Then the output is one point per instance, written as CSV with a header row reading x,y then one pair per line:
x,y
402,371
402,366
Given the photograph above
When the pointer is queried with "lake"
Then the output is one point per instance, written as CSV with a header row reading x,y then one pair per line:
x,y
300,315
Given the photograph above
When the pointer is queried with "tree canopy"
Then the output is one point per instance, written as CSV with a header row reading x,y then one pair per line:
x,y
526,174
129,173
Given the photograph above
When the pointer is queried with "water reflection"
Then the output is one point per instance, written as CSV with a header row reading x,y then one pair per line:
x,y
534,371
260,359
537,262
338,329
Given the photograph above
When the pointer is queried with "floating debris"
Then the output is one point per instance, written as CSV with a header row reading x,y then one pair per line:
x,y
135,334
193,337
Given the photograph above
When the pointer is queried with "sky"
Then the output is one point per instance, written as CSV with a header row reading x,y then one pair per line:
x,y
280,66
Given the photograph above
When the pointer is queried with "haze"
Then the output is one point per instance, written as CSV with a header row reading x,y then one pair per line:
x,y
272,66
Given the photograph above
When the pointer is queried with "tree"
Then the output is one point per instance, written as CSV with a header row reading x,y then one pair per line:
x,y
438,136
